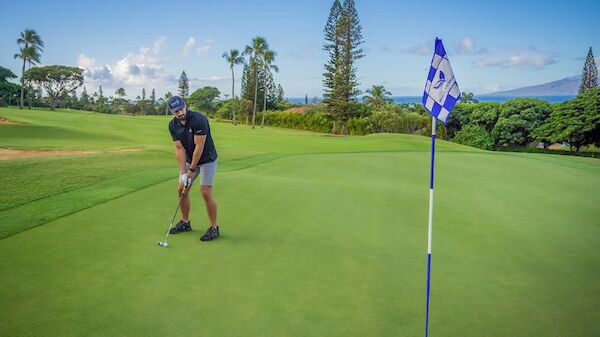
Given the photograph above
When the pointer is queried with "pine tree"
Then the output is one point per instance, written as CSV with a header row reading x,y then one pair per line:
x,y
265,79
350,30
333,47
343,38
184,85
143,94
100,96
85,98
247,83
249,80
153,97
280,93
247,92
589,77
271,91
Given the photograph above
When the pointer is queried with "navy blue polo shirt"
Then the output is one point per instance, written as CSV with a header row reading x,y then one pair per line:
x,y
196,124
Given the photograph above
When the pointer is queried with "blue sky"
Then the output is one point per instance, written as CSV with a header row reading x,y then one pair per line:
x,y
134,44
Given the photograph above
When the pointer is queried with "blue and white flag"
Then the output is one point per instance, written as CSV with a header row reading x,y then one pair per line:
x,y
441,90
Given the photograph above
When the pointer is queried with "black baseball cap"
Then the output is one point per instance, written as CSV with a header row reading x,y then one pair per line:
x,y
175,103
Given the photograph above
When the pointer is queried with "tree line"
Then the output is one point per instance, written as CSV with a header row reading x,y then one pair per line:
x,y
526,121
518,122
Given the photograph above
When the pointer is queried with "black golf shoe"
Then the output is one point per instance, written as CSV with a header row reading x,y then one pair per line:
x,y
210,234
181,226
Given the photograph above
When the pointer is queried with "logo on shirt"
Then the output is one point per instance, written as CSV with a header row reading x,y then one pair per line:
x,y
198,132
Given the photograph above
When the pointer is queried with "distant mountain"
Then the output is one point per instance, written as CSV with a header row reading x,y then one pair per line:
x,y
566,87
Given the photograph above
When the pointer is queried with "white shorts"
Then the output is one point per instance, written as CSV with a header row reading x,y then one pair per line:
x,y
207,171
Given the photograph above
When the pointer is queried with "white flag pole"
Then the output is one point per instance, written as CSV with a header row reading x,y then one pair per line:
x,y
430,227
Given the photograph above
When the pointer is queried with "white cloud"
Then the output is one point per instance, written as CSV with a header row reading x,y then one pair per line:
x,y
84,61
92,70
491,87
203,80
528,58
479,89
468,46
205,47
143,69
158,44
188,45
421,49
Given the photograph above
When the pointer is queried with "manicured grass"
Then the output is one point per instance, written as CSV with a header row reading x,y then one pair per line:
x,y
321,236
39,190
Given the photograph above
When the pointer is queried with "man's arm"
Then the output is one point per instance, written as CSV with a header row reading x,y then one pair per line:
x,y
199,140
180,155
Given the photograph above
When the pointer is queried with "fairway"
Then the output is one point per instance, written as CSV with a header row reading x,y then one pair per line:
x,y
321,235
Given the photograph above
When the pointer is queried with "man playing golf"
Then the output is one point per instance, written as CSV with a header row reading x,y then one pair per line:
x,y
196,155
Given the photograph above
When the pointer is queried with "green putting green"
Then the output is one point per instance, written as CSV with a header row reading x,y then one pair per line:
x,y
321,236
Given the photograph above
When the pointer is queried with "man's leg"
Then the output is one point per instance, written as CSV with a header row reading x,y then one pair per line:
x,y
210,203
183,225
185,204
208,177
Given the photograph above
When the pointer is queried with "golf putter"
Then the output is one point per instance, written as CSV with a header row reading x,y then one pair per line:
x,y
164,243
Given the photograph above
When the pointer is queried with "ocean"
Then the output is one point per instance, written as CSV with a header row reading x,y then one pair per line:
x,y
417,99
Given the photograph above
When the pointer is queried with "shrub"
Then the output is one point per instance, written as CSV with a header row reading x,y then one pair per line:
x,y
225,111
317,122
283,105
385,122
518,118
359,126
475,136
414,122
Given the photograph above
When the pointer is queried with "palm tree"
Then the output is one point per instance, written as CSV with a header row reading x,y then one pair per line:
x,y
378,96
30,56
233,58
31,45
256,51
268,59
120,102
468,97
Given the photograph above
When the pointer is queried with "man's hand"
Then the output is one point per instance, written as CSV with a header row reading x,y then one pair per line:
x,y
190,175
185,179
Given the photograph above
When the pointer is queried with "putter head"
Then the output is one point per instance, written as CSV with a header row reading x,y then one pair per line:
x,y
163,244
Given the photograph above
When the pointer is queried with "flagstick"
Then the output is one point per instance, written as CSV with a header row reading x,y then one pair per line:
x,y
430,228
